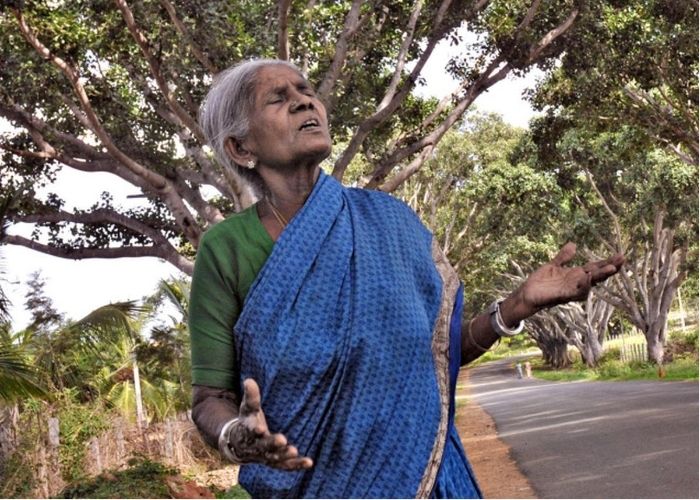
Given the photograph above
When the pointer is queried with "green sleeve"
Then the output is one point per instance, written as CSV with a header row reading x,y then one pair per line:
x,y
214,308
229,258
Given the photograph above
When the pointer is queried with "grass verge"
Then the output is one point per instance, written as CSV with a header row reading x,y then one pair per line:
x,y
682,366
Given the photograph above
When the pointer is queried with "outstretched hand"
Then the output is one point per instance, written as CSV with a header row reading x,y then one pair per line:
x,y
252,441
554,283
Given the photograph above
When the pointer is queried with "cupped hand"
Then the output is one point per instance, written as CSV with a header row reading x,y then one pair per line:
x,y
554,283
252,441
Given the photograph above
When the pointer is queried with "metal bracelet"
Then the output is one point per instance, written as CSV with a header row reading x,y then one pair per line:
x,y
225,447
497,323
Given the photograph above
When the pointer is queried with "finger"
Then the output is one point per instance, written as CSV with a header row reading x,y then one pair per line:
x,y
279,440
298,463
602,273
566,253
290,452
282,455
615,260
251,397
275,443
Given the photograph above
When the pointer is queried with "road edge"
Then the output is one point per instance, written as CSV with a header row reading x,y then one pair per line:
x,y
496,471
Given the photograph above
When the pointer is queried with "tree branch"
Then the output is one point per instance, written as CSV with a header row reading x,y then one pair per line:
x,y
384,111
613,215
494,73
168,95
99,216
182,29
180,262
401,58
349,29
158,182
546,40
283,7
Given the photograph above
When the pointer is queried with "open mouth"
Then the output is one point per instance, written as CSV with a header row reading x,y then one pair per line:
x,y
309,124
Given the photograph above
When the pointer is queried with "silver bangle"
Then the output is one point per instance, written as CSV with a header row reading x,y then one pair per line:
x,y
224,444
497,323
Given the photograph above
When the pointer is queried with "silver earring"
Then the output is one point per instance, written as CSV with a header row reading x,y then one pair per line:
x,y
250,164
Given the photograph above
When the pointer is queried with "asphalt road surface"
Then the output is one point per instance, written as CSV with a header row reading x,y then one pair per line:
x,y
595,439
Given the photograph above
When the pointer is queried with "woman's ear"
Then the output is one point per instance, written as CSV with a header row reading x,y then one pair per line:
x,y
239,154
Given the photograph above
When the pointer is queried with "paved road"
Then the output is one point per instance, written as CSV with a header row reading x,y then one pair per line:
x,y
595,439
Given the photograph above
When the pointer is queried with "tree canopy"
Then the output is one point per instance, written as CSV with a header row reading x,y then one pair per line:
x,y
115,87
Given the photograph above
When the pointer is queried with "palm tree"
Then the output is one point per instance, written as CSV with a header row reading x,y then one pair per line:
x,y
111,333
18,378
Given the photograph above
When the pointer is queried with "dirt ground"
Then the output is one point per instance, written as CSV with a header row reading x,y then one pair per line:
x,y
497,473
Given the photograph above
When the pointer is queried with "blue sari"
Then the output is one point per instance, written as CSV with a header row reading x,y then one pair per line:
x,y
352,331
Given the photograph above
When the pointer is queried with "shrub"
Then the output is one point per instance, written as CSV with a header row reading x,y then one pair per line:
x,y
78,423
614,368
143,479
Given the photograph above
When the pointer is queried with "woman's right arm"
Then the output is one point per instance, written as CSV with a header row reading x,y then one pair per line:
x,y
233,424
246,437
212,407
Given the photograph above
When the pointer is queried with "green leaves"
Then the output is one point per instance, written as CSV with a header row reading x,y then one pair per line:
x,y
18,377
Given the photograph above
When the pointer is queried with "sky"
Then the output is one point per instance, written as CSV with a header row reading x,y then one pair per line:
x,y
78,287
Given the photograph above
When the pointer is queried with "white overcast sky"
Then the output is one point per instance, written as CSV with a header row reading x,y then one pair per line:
x,y
77,287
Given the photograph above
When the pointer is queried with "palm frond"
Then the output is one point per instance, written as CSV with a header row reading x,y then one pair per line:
x,y
4,300
18,378
109,322
177,292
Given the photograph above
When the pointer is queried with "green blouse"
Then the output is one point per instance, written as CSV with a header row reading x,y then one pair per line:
x,y
229,257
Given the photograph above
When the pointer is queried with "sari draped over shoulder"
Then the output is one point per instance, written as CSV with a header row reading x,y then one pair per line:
x,y
351,330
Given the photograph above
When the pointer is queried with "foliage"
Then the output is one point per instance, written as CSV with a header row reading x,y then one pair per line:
x,y
620,134
18,377
632,63
485,206
103,87
236,492
78,423
18,478
142,479
683,366
116,348
44,315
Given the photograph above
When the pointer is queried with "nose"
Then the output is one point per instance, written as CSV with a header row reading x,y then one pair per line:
x,y
301,102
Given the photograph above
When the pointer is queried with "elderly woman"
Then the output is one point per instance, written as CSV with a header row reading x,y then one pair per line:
x,y
325,321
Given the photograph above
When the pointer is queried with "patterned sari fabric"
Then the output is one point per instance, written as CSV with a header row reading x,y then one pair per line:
x,y
351,330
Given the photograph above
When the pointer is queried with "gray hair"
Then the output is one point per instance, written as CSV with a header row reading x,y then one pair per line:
x,y
226,110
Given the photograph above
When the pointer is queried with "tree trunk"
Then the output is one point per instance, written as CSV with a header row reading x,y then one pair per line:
x,y
8,433
140,417
554,351
656,339
592,352
645,286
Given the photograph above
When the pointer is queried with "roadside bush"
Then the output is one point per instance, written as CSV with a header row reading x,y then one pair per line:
x,y
614,369
143,479
78,423
612,354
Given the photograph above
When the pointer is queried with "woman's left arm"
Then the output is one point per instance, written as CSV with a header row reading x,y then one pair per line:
x,y
552,284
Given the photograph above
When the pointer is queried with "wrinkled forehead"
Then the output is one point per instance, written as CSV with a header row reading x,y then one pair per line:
x,y
276,76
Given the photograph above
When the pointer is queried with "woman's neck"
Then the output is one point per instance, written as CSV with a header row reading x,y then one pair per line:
x,y
288,190
285,193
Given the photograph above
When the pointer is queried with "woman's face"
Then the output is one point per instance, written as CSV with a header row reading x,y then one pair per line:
x,y
288,124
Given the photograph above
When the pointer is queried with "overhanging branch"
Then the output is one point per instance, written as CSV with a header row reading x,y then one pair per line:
x,y
180,262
